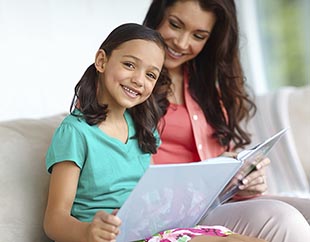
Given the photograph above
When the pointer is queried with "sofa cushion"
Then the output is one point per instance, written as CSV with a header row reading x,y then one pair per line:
x,y
299,113
23,178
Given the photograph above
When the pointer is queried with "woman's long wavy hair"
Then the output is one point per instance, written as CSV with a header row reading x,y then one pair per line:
x,y
216,76
145,115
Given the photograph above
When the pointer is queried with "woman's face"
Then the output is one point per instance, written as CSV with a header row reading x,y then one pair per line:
x,y
185,28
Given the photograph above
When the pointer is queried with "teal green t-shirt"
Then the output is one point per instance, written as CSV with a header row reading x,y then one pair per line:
x,y
110,169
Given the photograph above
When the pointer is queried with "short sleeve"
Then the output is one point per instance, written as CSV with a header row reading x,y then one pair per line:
x,y
67,144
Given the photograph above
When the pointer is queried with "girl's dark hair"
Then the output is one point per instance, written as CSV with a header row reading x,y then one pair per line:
x,y
216,76
145,115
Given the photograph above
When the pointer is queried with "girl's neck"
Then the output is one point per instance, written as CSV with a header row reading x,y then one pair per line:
x,y
115,115
115,126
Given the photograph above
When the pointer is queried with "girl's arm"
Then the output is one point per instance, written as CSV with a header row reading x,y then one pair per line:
x,y
59,225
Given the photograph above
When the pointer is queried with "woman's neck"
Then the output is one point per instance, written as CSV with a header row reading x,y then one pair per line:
x,y
177,79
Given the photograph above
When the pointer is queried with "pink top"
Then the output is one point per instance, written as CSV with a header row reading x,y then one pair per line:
x,y
185,134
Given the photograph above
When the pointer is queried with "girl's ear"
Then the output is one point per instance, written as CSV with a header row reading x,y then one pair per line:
x,y
101,60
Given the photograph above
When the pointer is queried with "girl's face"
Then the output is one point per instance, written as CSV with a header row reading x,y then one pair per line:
x,y
185,28
129,74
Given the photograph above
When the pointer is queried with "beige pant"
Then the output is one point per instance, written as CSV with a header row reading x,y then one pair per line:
x,y
275,219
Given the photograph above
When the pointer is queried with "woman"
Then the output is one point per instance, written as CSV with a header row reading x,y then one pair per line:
x,y
207,103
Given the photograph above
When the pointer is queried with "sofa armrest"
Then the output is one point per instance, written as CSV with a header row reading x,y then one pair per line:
x,y
23,178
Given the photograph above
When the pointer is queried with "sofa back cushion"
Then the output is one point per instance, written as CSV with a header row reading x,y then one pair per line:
x,y
287,107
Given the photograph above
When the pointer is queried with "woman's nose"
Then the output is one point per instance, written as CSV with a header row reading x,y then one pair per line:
x,y
182,41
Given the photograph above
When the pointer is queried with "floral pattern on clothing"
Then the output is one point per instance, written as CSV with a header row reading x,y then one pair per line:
x,y
186,234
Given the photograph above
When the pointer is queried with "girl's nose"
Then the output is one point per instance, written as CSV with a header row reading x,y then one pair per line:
x,y
137,79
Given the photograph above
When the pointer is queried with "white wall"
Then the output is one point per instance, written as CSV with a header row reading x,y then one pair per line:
x,y
46,45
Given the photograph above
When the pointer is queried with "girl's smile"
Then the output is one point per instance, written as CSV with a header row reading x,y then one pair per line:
x,y
130,92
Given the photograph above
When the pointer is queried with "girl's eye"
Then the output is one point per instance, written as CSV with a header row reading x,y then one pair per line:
x,y
129,65
152,75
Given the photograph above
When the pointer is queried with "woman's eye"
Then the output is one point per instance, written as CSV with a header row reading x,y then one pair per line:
x,y
200,36
174,24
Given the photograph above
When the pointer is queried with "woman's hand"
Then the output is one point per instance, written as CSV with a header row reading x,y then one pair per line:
x,y
229,154
255,182
104,227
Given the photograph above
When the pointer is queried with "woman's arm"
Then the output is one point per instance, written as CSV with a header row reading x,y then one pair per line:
x,y
59,225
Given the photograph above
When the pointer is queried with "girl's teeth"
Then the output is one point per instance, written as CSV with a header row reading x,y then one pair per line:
x,y
131,91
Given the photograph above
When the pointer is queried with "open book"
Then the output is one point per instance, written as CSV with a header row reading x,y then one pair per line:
x,y
180,195
173,196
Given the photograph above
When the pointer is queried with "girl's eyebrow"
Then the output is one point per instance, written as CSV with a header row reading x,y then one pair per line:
x,y
199,30
139,60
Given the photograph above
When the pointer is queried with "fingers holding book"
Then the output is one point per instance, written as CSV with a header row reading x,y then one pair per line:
x,y
255,182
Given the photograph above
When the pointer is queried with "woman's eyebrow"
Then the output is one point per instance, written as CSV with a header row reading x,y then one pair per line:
x,y
199,30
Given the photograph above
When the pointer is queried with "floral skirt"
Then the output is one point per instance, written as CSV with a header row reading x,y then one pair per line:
x,y
186,234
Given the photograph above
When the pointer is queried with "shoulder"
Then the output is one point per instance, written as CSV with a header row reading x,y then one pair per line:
x,y
74,120
72,127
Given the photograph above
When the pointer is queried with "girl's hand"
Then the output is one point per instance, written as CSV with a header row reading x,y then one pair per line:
x,y
255,182
104,227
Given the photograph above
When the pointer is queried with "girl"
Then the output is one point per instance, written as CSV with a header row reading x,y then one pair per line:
x,y
101,150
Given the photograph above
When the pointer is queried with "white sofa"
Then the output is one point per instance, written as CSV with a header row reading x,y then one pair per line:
x,y
24,181
288,107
